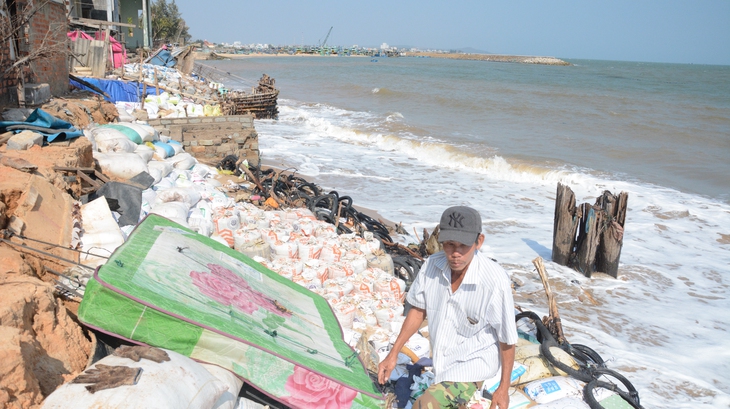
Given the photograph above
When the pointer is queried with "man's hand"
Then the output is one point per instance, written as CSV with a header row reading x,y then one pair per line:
x,y
387,366
500,398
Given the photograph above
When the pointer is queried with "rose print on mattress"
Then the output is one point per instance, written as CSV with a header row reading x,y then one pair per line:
x,y
228,288
312,390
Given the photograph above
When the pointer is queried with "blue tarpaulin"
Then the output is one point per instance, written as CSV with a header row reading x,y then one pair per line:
x,y
118,90
163,58
44,123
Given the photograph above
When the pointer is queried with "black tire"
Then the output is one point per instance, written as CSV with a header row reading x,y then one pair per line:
x,y
309,188
581,374
543,334
299,197
584,354
327,201
404,270
630,395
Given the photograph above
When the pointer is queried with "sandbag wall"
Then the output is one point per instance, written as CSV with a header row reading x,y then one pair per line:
x,y
210,139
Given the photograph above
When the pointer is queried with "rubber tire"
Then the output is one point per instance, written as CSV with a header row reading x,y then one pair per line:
x,y
632,396
580,374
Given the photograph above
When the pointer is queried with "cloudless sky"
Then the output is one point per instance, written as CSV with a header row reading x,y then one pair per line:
x,y
675,31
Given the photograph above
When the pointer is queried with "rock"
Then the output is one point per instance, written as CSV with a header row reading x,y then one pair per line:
x,y
24,140
17,114
141,115
41,346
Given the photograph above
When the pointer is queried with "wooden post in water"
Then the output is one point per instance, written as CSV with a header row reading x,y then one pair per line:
x,y
609,247
564,225
589,235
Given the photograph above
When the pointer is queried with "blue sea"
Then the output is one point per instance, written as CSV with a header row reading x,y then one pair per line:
x,y
409,137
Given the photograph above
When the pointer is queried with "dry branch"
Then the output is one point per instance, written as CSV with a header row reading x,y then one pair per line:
x,y
552,322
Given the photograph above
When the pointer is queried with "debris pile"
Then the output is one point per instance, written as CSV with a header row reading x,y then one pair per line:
x,y
66,206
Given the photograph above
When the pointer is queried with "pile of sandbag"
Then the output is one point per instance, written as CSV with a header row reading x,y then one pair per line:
x,y
126,149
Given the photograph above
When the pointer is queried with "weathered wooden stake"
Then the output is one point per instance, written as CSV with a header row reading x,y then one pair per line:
x,y
157,83
609,247
589,235
565,225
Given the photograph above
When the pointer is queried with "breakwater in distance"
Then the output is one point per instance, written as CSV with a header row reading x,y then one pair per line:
x,y
520,59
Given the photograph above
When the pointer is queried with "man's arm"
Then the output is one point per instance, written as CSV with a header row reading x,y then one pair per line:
x,y
500,397
413,322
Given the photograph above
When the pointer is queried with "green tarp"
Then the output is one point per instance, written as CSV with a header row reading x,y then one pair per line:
x,y
169,287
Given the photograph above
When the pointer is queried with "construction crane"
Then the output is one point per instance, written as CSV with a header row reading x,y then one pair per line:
x,y
326,37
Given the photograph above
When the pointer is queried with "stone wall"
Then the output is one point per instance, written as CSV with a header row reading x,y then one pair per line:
x,y
210,139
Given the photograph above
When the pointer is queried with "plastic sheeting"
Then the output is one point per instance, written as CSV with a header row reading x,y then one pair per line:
x,y
118,90
44,123
163,58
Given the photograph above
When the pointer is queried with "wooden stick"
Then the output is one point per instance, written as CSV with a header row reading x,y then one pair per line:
x,y
271,191
157,84
404,248
553,321
337,217
253,178
144,87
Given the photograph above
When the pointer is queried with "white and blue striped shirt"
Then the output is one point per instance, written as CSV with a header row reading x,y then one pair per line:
x,y
465,326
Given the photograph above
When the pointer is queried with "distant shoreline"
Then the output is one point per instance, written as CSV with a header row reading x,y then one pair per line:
x,y
520,59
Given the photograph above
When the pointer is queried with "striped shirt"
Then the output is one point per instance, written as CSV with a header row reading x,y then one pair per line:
x,y
465,326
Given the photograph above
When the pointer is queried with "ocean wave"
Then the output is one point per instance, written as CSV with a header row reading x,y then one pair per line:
x,y
344,126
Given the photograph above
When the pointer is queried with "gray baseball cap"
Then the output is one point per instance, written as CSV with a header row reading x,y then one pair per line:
x,y
460,223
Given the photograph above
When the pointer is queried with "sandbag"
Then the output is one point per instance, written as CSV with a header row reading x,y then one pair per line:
x,y
176,147
144,133
115,145
123,165
178,383
129,132
309,248
161,167
144,152
233,383
565,403
517,400
102,133
189,196
163,150
537,366
175,211
492,383
182,161
151,133
551,389
123,114
101,233
382,260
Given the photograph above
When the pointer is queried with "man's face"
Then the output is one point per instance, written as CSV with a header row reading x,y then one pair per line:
x,y
459,255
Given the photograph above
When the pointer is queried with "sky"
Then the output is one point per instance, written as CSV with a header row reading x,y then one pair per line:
x,y
671,31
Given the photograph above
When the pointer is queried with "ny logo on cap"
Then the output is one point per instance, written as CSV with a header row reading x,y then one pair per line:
x,y
456,220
